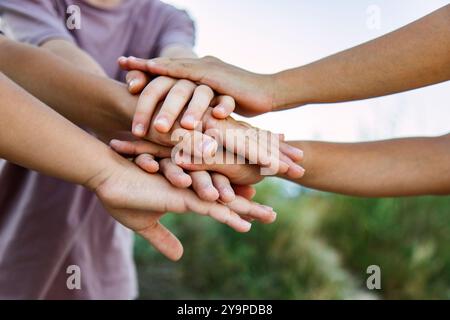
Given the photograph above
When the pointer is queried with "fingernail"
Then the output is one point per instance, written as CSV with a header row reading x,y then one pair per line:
x,y
189,120
162,123
297,172
246,225
220,109
296,152
132,83
151,63
114,143
229,193
209,147
266,208
132,58
139,129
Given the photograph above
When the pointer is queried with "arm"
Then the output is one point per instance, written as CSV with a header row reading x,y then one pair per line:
x,y
34,136
86,99
414,56
399,167
70,52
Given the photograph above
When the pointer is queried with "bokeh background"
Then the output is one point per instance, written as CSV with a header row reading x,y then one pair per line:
x,y
321,244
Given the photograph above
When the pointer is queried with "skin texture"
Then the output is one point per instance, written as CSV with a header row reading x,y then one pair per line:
x,y
399,167
134,198
86,98
176,98
414,56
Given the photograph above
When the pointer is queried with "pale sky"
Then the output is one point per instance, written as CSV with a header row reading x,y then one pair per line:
x,y
269,36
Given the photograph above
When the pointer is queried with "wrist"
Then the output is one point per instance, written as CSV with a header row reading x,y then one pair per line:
x,y
289,89
107,163
123,107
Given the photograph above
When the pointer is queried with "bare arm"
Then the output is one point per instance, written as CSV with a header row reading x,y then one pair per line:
x,y
82,97
74,55
399,167
34,136
414,56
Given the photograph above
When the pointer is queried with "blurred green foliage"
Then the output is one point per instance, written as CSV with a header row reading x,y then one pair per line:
x,y
319,248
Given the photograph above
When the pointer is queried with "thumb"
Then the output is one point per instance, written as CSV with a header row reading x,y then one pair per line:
x,y
163,240
137,80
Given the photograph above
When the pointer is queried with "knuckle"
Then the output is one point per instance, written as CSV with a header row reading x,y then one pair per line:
x,y
181,91
204,90
228,101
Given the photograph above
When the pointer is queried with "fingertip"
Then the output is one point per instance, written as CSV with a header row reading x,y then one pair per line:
x,y
220,112
178,254
182,180
139,130
209,147
245,226
114,143
294,153
296,172
209,193
162,124
227,195
188,122
152,166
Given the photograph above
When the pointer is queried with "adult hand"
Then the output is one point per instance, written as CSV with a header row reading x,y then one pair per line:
x,y
181,98
254,93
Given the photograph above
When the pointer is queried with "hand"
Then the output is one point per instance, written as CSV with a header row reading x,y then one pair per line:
x,y
238,175
177,94
254,93
238,138
138,200
208,186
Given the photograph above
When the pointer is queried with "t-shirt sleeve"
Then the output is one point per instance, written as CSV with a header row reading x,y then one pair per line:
x,y
178,28
33,21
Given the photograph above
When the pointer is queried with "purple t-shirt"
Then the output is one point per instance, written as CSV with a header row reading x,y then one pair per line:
x,y
48,225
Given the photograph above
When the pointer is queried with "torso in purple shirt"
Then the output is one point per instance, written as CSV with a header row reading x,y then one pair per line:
x,y
46,224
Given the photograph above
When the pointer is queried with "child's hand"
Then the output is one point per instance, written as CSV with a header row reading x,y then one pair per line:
x,y
138,200
254,93
238,138
209,186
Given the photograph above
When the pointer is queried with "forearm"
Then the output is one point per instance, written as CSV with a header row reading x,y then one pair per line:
x,y
74,55
36,137
82,97
414,56
400,167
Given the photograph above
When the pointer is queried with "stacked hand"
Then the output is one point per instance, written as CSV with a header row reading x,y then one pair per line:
x,y
207,161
